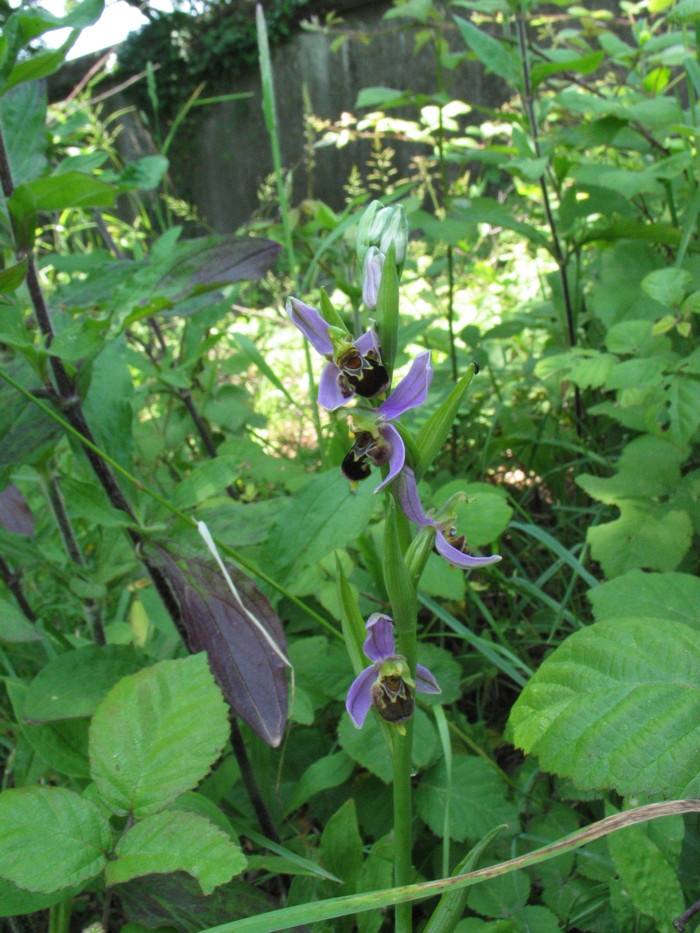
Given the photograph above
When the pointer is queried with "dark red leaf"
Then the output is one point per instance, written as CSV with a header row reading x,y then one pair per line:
x,y
246,665
14,512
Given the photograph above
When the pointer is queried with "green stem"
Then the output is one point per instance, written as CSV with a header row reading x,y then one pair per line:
x,y
403,811
59,916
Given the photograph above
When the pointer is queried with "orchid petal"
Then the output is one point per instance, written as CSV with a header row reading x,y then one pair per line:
x,y
407,492
425,680
359,697
411,391
311,324
379,643
398,452
330,395
457,558
369,341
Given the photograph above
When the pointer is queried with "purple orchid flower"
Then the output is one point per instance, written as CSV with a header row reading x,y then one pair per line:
x,y
355,366
386,684
447,543
377,440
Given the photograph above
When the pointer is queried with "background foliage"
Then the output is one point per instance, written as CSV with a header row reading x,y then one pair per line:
x,y
555,243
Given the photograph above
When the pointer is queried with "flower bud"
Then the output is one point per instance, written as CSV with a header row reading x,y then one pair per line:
x,y
372,276
364,229
383,227
395,233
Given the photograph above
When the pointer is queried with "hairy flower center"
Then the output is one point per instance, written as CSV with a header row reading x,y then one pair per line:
x,y
392,696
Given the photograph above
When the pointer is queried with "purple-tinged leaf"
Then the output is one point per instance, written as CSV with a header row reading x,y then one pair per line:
x,y
14,512
208,261
250,672
176,900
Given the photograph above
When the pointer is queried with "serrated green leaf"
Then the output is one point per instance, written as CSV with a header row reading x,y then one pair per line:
x,y
651,883
648,468
176,840
156,734
616,705
71,853
672,596
655,537
477,795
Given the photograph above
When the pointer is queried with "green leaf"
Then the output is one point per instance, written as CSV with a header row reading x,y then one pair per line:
x,y
683,407
583,64
648,468
492,53
176,901
502,897
616,705
649,880
71,685
61,745
667,286
13,276
672,596
322,774
14,625
484,517
50,838
144,174
23,120
14,901
156,734
333,515
58,192
368,747
477,798
434,431
176,840
108,403
655,537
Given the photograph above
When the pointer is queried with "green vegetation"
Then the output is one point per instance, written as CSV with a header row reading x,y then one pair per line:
x,y
186,575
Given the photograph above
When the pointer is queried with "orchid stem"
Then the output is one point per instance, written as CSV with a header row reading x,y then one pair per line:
x,y
403,810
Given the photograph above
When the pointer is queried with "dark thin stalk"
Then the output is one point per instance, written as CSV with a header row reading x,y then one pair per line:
x,y
11,580
680,922
557,250
76,555
247,774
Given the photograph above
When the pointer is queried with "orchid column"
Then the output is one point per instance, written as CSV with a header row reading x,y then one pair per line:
x,y
359,370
